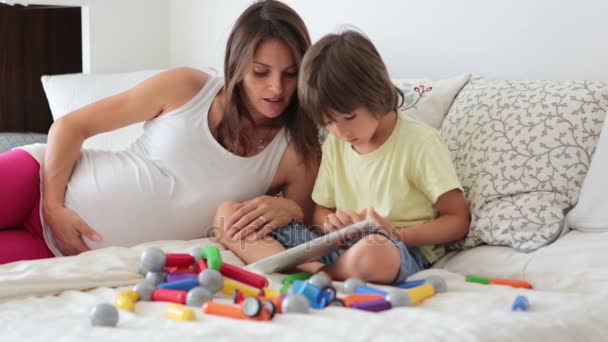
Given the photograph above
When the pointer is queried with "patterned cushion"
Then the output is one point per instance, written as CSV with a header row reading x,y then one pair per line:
x,y
522,149
429,101
10,140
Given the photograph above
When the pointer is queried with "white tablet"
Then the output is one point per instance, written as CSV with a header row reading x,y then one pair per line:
x,y
313,249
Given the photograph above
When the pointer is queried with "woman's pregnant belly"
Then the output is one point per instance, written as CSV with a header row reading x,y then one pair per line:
x,y
129,200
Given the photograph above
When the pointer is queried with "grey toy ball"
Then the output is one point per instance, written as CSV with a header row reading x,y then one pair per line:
x,y
320,280
398,298
438,283
211,279
140,269
155,278
198,295
295,303
144,289
196,253
104,315
351,284
153,259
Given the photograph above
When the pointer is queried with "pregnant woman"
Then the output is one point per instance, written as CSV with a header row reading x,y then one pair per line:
x,y
207,139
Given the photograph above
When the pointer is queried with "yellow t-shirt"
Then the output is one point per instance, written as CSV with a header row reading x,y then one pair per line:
x,y
402,179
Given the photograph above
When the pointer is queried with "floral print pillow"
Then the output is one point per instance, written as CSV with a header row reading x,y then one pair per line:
x,y
429,101
522,150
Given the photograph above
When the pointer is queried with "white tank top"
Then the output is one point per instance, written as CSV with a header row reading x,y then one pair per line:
x,y
168,184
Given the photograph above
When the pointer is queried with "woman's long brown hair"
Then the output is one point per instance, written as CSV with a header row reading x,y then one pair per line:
x,y
263,20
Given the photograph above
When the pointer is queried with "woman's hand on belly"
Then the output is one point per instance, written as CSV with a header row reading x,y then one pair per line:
x,y
262,215
68,229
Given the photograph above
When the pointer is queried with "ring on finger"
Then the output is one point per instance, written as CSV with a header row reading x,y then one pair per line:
x,y
263,219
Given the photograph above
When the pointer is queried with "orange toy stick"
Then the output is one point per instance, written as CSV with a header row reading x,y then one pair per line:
x,y
354,298
233,311
511,282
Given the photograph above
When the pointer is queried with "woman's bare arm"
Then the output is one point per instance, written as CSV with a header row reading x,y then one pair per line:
x,y
151,98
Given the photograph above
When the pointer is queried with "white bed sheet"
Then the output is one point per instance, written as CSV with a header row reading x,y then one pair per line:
x,y
577,262
67,288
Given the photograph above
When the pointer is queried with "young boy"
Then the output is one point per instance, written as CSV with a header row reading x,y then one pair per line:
x,y
376,163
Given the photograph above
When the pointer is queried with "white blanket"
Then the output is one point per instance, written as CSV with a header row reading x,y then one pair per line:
x,y
67,289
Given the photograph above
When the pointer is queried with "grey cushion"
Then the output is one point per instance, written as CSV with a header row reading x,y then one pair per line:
x,y
10,140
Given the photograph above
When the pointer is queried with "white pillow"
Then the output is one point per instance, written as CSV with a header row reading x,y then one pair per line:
x,y
69,92
591,211
429,101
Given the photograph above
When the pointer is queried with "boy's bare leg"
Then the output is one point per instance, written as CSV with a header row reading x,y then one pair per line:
x,y
248,249
374,259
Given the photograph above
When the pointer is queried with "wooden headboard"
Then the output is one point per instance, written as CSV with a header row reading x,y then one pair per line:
x,y
34,41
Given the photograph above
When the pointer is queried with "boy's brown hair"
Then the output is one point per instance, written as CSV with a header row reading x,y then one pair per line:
x,y
342,72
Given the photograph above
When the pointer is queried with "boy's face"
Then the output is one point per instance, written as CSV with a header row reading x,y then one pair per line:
x,y
357,128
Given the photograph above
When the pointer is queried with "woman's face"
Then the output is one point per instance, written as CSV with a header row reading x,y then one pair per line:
x,y
270,80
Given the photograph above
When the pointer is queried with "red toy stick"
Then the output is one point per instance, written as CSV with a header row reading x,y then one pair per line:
x,y
237,273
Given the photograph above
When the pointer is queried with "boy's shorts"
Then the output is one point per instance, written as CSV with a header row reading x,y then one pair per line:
x,y
412,259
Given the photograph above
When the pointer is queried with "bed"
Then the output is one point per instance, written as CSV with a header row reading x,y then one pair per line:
x,y
51,300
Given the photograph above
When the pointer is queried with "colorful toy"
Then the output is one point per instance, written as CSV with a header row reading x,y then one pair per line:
x,y
270,293
238,274
213,257
354,298
171,277
168,295
153,259
238,298
179,260
295,303
126,300
318,298
104,315
438,283
272,307
184,284
288,280
409,284
364,289
211,279
177,269
375,305
359,292
398,298
155,277
252,308
144,289
351,284
198,295
498,281
320,280
230,285
196,253
520,304
180,313
421,293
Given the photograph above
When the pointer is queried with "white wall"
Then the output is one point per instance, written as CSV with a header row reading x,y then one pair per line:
x,y
541,39
121,35
128,35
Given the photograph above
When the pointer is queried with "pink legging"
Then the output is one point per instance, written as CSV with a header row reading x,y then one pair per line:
x,y
20,227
